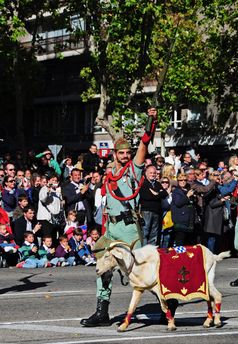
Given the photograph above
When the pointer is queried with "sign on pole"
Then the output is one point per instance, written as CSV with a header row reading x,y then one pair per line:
x,y
55,149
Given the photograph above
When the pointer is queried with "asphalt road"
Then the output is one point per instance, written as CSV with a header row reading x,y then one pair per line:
x,y
46,305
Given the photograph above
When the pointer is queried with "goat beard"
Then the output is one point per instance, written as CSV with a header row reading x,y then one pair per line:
x,y
106,278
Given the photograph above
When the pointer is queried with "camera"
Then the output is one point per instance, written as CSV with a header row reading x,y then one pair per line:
x,y
88,180
127,217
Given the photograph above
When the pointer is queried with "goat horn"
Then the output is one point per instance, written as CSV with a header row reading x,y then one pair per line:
x,y
117,243
132,245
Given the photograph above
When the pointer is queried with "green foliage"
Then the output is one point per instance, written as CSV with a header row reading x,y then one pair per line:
x,y
188,46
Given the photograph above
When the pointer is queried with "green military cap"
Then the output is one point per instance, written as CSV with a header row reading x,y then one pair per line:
x,y
100,247
122,143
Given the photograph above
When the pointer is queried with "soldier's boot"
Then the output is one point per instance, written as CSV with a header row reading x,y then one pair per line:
x,y
100,317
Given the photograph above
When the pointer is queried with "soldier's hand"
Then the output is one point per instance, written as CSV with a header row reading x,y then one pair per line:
x,y
152,112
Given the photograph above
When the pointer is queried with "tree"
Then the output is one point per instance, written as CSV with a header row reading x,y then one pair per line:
x,y
131,42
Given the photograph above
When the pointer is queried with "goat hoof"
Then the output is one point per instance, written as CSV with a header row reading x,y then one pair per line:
x,y
218,324
208,323
122,327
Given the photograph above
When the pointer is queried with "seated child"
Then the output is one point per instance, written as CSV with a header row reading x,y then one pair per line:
x,y
7,242
71,223
64,252
8,248
80,248
29,253
93,237
22,203
47,252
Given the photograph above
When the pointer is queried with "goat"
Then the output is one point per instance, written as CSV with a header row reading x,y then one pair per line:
x,y
142,265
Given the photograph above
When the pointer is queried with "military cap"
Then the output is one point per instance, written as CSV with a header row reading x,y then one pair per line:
x,y
100,247
122,143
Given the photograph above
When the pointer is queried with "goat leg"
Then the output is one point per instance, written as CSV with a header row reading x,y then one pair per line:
x,y
136,296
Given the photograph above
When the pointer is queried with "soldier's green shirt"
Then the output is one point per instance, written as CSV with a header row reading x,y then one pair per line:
x,y
114,206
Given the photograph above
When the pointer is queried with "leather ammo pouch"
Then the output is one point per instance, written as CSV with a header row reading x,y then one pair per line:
x,y
126,215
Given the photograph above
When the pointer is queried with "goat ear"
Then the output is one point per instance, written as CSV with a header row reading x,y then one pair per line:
x,y
117,253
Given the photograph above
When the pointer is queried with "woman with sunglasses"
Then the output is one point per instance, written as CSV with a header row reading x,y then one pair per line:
x,y
182,209
166,239
9,195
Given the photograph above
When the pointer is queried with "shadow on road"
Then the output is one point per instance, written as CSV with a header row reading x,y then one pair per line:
x,y
154,316
26,286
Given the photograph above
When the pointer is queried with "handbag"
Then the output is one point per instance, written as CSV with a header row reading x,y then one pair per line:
x,y
167,220
98,215
58,219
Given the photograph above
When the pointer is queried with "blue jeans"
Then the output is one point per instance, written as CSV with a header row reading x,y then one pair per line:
x,y
34,263
70,260
151,229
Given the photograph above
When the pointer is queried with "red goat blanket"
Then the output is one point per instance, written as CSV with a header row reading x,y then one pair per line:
x,y
182,273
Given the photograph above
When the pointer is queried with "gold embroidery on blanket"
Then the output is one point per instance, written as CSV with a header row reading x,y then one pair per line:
x,y
184,291
165,290
202,288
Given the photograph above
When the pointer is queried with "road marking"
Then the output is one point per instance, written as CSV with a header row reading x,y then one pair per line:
x,y
37,293
137,316
136,338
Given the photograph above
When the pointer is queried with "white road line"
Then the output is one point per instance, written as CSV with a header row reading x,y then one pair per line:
x,y
37,293
171,336
137,316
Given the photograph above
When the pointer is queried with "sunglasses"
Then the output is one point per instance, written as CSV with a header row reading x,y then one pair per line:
x,y
216,175
164,182
11,169
182,180
11,181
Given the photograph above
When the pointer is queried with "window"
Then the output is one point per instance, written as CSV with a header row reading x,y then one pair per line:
x,y
176,120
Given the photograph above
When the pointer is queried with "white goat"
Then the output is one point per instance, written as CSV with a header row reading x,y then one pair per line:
x,y
142,266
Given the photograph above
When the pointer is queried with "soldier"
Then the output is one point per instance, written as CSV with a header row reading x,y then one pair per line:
x,y
122,193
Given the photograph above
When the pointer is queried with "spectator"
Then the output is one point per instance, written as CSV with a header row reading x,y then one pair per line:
x,y
29,253
187,162
8,248
233,162
71,223
26,222
167,233
92,238
79,163
213,224
151,195
48,159
168,171
31,161
80,248
47,252
193,151
64,252
91,161
7,242
66,166
22,203
10,170
174,160
19,178
9,195
191,177
35,190
183,212
49,207
75,194
159,162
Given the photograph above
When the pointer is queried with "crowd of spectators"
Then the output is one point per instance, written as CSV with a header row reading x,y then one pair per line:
x,y
52,213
